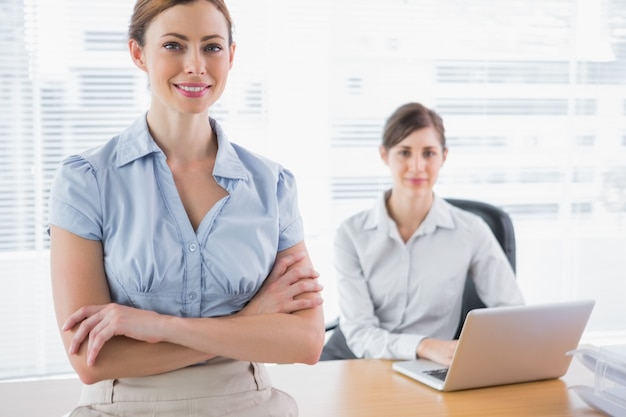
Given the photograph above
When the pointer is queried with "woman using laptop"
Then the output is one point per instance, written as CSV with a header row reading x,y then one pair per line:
x,y
402,264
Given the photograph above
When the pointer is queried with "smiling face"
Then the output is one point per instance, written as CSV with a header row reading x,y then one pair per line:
x,y
415,162
187,57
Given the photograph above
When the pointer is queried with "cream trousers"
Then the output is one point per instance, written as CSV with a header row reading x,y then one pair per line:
x,y
221,387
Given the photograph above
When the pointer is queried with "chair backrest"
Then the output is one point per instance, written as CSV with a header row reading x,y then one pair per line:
x,y
498,220
501,226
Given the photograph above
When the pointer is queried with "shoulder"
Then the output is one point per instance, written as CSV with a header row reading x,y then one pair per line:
x,y
468,225
450,216
99,157
236,161
265,173
357,225
369,220
132,143
257,163
463,217
357,220
90,161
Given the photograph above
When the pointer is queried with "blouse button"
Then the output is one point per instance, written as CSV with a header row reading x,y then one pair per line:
x,y
193,247
192,296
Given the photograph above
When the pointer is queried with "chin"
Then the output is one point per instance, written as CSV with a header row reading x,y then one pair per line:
x,y
195,110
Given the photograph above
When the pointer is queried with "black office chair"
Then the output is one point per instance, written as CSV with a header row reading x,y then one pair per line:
x,y
501,226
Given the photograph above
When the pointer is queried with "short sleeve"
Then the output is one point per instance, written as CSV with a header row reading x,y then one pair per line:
x,y
290,221
74,203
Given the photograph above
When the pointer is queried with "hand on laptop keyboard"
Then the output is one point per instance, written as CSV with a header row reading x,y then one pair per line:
x,y
437,350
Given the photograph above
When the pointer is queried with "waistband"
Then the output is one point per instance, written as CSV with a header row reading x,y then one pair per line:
x,y
217,377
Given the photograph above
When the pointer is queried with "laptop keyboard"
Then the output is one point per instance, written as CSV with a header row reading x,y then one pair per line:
x,y
438,373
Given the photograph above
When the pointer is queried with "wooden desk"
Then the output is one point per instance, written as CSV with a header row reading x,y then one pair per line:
x,y
370,388
359,388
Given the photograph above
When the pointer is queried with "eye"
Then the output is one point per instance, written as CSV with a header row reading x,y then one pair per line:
x,y
429,154
404,152
172,46
213,48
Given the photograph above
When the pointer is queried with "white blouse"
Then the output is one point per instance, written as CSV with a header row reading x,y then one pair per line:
x,y
394,294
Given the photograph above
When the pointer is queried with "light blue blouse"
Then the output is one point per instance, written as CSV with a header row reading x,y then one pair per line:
x,y
123,194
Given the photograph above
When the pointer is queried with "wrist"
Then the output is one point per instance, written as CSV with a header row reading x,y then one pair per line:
x,y
170,327
422,347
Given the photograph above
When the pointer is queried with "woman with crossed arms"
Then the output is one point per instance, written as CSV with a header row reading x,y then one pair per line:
x,y
178,259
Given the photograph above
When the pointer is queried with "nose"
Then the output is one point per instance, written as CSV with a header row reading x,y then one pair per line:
x,y
194,63
416,164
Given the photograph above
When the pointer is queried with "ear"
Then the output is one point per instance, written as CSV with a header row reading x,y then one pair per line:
x,y
384,154
136,54
232,55
444,155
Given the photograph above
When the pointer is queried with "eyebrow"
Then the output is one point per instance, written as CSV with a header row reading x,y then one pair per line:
x,y
425,147
185,38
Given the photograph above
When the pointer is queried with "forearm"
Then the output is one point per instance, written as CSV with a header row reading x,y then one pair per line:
x,y
270,338
365,335
122,357
377,343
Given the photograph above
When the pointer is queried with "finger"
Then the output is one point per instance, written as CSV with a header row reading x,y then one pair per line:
x,y
305,285
301,273
82,332
304,304
97,338
80,315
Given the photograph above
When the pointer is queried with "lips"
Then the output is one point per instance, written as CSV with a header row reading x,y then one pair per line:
x,y
192,89
417,181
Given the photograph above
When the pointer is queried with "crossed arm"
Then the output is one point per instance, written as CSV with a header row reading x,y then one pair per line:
x,y
283,323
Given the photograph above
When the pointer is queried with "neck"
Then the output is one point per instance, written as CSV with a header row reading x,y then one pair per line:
x,y
408,212
185,137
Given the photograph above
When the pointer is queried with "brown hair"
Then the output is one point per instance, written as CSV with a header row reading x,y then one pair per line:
x,y
146,10
407,119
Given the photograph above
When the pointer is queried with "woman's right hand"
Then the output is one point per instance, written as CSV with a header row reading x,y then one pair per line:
x,y
281,290
437,350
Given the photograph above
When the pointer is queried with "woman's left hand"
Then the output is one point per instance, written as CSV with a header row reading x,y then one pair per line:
x,y
96,324
281,291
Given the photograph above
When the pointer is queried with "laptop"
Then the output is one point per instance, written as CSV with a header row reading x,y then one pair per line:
x,y
507,345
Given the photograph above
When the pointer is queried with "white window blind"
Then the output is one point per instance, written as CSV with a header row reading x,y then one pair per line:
x,y
533,95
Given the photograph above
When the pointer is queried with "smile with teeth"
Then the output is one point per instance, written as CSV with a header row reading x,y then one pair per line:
x,y
191,89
